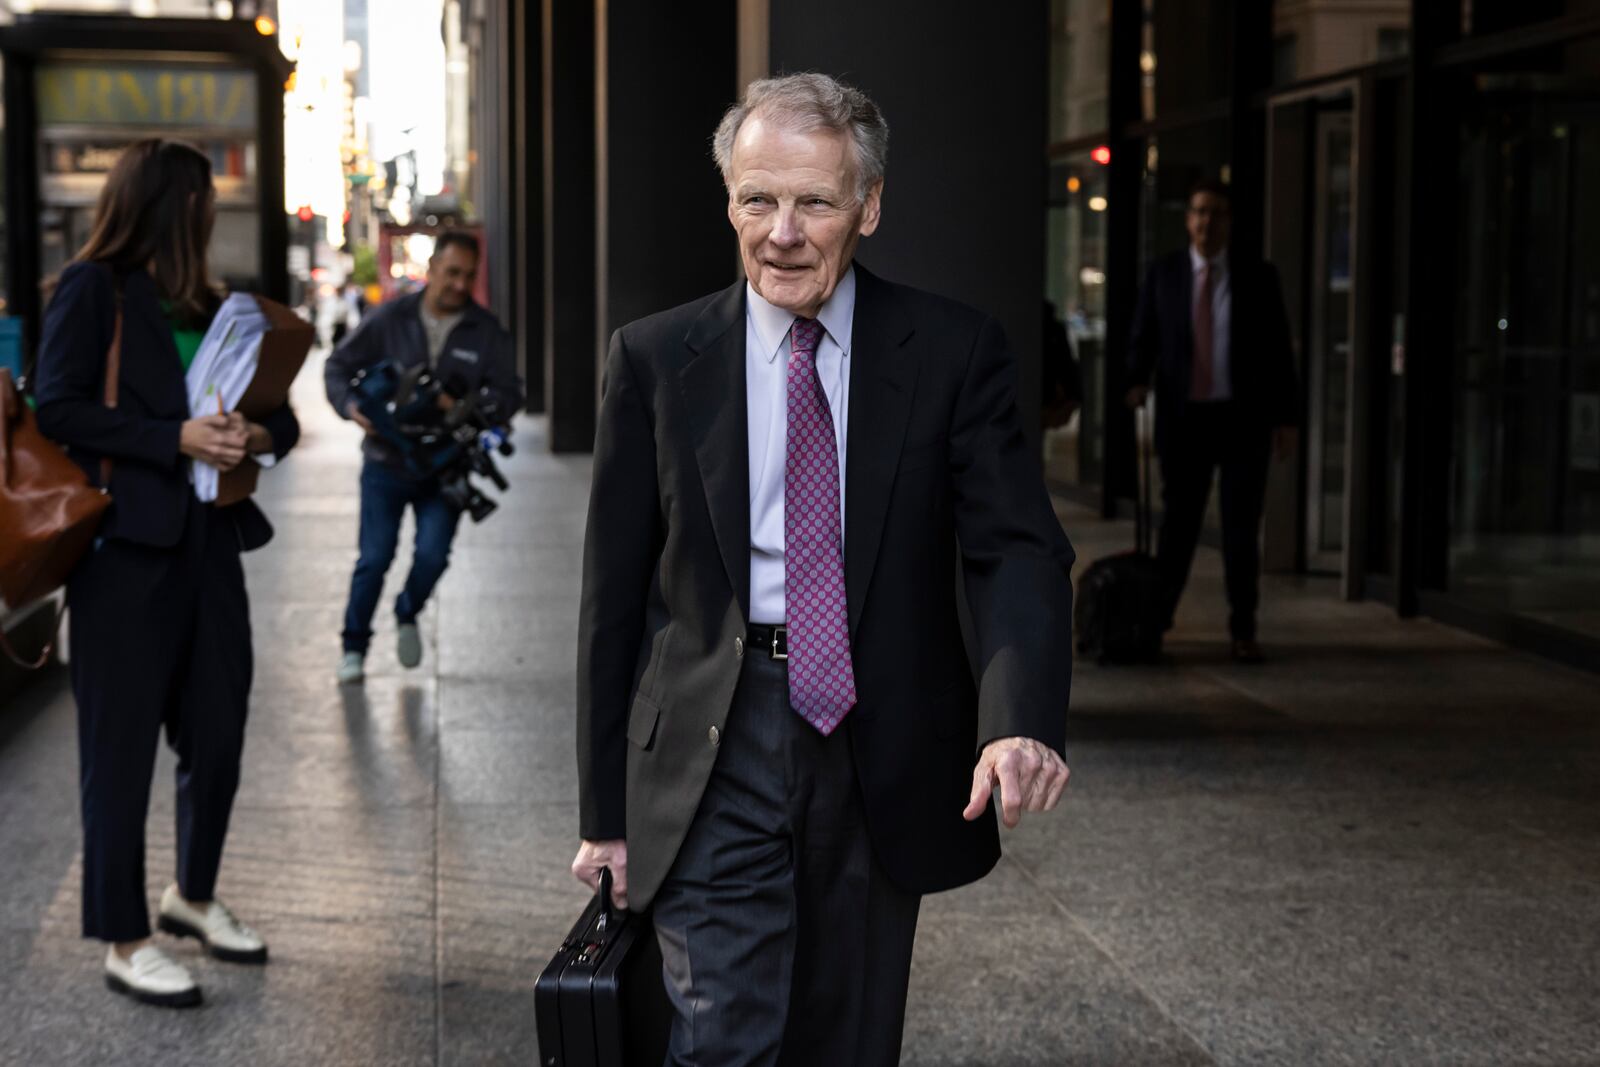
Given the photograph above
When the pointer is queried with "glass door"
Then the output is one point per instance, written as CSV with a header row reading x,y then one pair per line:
x,y
1329,362
1311,239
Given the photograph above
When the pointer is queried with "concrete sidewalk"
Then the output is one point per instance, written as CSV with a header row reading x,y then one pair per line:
x,y
1383,846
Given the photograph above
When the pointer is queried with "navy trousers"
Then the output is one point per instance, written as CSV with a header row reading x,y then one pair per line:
x,y
160,638
385,495
783,941
1209,436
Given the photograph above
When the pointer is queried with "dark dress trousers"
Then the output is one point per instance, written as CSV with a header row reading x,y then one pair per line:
x,y
1195,438
941,487
160,623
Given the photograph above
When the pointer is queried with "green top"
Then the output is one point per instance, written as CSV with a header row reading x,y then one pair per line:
x,y
188,341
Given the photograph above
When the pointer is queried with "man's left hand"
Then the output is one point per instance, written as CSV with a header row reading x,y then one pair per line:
x,y
1030,775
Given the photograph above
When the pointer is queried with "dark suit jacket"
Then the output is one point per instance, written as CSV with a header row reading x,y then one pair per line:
x,y
150,488
941,485
1261,353
479,353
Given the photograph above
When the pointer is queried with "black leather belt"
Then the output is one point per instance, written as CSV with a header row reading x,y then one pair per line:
x,y
773,640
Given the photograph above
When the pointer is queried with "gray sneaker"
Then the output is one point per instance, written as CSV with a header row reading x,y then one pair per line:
x,y
408,645
351,668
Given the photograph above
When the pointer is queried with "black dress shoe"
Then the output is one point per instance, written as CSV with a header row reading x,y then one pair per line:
x,y
1246,652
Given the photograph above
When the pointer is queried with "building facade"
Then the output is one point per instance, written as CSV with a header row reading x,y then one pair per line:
x,y
1422,172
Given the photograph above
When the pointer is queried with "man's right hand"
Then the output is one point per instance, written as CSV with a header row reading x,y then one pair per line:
x,y
1136,396
595,855
353,409
215,440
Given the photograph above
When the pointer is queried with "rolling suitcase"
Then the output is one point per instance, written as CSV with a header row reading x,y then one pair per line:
x,y
1123,601
600,1002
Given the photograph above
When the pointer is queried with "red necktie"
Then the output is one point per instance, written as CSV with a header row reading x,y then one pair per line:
x,y
1200,384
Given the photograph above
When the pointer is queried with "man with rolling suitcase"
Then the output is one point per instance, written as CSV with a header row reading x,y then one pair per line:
x,y
1212,329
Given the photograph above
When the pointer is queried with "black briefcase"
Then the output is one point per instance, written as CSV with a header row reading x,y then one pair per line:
x,y
601,1002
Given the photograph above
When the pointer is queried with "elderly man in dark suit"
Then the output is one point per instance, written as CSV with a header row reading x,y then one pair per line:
x,y
781,742
1212,328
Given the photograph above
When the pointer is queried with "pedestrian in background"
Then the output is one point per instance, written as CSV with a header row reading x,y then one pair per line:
x,y
1212,329
160,624
467,349
347,312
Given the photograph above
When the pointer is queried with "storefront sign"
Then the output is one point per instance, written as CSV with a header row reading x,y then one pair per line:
x,y
74,94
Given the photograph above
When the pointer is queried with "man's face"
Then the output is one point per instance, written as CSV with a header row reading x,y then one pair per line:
x,y
792,199
1210,221
452,274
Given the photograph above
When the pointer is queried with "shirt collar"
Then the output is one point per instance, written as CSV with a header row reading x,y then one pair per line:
x,y
772,323
1197,261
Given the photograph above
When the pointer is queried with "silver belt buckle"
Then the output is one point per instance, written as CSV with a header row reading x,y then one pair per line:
x,y
777,632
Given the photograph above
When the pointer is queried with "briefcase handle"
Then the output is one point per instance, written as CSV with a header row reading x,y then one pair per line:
x,y
608,911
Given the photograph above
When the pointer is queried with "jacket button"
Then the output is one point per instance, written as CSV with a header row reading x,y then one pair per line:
x,y
715,735
738,647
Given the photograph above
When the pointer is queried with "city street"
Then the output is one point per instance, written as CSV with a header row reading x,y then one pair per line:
x,y
1378,848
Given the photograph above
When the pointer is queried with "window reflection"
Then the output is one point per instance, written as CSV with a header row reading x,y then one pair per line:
x,y
1525,507
1080,78
1074,352
1185,55
1315,37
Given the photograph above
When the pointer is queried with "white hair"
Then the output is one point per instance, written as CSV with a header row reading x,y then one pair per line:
x,y
804,103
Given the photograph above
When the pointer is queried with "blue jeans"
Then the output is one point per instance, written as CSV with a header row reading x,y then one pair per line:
x,y
384,496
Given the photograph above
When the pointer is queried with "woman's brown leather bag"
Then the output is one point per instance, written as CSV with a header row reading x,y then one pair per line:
x,y
49,512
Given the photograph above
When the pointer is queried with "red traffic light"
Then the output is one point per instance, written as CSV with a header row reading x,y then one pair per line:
x,y
305,214
1101,155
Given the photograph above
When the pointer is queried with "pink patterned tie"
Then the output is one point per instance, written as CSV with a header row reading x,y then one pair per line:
x,y
822,681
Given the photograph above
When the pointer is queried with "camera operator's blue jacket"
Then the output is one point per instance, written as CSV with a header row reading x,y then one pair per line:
x,y
479,354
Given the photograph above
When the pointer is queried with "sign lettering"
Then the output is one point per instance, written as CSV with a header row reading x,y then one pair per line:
x,y
74,94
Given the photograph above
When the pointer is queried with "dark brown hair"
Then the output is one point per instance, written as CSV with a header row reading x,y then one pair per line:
x,y
156,211
461,239
1215,187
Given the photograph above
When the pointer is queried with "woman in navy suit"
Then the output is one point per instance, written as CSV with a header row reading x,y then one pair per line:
x,y
160,622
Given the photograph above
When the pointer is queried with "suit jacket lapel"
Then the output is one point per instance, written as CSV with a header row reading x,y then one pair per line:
x,y
883,380
713,384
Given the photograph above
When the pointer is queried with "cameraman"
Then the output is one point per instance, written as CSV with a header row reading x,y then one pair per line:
x,y
466,348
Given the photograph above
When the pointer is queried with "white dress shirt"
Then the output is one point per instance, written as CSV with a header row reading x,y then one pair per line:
x,y
766,363
1221,319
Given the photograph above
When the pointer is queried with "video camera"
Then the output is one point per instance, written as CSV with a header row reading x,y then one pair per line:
x,y
403,405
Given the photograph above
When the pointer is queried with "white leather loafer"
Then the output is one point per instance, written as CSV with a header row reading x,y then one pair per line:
x,y
150,976
214,926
